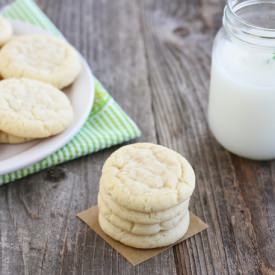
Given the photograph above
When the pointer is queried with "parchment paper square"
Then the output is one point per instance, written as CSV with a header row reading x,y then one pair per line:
x,y
134,255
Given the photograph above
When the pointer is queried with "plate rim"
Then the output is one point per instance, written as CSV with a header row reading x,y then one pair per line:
x,y
12,164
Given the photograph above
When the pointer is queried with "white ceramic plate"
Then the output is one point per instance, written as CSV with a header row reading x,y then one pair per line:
x,y
81,94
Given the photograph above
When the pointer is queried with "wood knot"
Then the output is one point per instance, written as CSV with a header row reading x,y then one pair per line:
x,y
181,31
55,175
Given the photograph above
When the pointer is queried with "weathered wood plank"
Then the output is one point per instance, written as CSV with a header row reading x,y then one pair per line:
x,y
39,230
155,58
178,37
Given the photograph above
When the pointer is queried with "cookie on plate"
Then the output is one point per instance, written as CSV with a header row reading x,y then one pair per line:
x,y
5,31
40,57
33,109
10,139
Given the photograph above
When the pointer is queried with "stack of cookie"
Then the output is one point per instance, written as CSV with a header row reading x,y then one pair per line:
x,y
144,195
34,69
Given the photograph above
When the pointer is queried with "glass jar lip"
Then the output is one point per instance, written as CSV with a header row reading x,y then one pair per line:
x,y
233,6
243,29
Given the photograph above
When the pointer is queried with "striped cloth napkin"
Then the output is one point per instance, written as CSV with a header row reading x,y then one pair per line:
x,y
106,125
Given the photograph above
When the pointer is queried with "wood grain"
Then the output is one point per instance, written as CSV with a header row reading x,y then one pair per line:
x,y
230,194
154,56
39,212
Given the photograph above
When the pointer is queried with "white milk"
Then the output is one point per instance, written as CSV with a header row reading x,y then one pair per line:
x,y
242,99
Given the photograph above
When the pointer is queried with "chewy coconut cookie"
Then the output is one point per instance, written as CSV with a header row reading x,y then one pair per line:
x,y
144,195
5,31
10,139
33,109
41,57
147,177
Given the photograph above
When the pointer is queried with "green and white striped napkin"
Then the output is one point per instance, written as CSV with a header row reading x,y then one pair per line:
x,y
106,125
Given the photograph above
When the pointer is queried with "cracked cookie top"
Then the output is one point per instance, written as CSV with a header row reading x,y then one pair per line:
x,y
41,57
147,177
33,109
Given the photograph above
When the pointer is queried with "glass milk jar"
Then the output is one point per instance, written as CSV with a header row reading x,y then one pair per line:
x,y
241,110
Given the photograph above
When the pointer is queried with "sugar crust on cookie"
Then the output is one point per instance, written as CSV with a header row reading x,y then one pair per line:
x,y
33,109
41,57
147,177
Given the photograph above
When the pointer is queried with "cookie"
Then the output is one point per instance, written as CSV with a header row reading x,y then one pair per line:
x,y
5,31
163,238
33,109
139,228
40,57
148,178
10,139
141,217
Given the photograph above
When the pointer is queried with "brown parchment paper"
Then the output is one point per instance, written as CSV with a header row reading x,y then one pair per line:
x,y
134,255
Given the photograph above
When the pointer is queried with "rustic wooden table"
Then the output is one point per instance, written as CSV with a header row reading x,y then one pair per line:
x,y
154,57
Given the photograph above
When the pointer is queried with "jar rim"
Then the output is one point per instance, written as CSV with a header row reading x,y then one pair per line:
x,y
243,29
233,6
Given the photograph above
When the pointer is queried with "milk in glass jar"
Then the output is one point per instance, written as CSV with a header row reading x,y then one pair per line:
x,y
241,110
